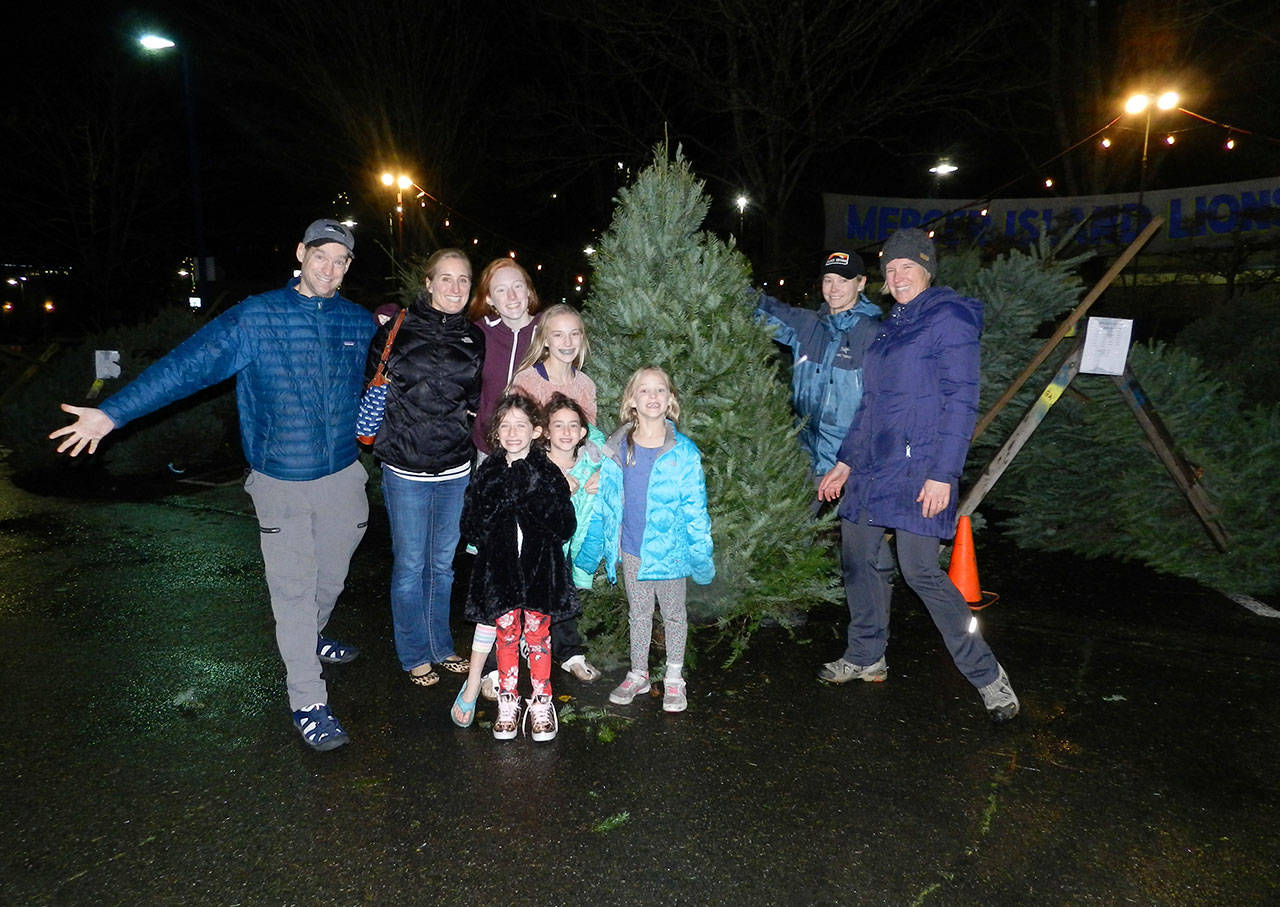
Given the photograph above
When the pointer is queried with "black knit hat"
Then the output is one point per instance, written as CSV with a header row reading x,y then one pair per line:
x,y
913,244
844,264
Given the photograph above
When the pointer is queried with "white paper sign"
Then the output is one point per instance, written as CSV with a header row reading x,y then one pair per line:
x,y
106,364
1106,346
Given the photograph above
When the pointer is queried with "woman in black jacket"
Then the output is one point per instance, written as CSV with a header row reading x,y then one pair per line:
x,y
433,389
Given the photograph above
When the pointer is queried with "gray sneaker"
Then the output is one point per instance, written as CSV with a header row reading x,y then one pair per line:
x,y
842,671
998,697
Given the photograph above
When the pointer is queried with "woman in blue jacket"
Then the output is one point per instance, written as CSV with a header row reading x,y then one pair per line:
x,y
899,468
651,515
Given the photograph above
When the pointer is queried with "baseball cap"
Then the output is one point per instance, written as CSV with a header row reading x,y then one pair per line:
x,y
844,264
329,230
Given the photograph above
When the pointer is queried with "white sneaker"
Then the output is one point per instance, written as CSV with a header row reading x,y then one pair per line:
x,y
580,668
489,686
634,685
540,719
673,698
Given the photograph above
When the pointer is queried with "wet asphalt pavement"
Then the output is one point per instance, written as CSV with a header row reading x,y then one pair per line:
x,y
148,756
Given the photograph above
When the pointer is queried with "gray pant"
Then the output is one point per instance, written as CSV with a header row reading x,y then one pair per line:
x,y
641,595
308,531
867,590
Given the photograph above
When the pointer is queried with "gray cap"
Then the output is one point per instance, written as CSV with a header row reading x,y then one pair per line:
x,y
329,230
913,244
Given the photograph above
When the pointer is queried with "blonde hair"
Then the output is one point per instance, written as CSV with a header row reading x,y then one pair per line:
x,y
540,343
628,414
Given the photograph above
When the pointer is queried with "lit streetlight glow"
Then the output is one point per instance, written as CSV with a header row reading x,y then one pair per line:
x,y
155,42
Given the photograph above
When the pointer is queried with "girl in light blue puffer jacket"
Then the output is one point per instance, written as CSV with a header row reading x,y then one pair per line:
x,y
651,515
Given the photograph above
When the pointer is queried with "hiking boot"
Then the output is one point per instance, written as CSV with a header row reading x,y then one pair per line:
x,y
998,697
540,719
673,698
508,721
319,728
634,685
842,671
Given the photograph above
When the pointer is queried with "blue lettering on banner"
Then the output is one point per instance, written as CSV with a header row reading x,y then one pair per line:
x,y
864,228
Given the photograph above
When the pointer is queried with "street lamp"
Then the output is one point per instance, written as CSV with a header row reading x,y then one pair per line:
x,y
944,167
741,202
1140,103
157,44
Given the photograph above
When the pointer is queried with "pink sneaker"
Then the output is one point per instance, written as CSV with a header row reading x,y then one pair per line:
x,y
634,685
673,698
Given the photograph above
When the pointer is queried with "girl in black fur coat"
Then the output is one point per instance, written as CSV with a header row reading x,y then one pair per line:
x,y
518,514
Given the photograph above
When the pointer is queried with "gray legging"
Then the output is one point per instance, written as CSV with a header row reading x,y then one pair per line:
x,y
641,594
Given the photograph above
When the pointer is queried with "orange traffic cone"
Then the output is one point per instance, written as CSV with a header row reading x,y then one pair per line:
x,y
964,565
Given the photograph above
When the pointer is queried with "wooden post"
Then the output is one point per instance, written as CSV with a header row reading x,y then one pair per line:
x,y
1186,476
1068,323
1020,435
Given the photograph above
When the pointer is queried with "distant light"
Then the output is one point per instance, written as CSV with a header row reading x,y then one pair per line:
x,y
538,268
983,212
194,301
1048,182
348,222
155,42
388,179
742,201
48,305
579,278
782,281
1231,144
183,272
577,289
8,306
12,281
446,221
1169,140
589,250
1167,101
1136,104
1106,143
512,253
942,168
931,235
475,242
403,181
399,209
555,194
620,165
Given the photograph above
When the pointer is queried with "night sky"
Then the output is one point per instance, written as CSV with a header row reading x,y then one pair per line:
x,y
522,124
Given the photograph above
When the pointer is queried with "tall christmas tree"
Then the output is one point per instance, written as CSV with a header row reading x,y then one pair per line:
x,y
666,293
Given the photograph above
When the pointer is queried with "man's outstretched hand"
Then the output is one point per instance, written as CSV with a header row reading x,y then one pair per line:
x,y
90,427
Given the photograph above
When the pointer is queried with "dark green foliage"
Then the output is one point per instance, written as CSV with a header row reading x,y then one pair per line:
x,y
191,434
1239,341
667,294
1088,481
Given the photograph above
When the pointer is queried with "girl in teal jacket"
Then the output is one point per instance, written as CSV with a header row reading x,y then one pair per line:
x,y
652,516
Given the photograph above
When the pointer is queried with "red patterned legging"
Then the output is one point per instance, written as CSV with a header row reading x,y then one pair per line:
x,y
537,636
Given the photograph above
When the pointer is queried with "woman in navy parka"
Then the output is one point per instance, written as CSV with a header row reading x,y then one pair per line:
x,y
899,468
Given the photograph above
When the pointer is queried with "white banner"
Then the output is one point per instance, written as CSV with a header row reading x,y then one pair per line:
x,y
1200,216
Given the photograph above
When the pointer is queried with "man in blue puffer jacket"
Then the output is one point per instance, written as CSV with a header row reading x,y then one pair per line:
x,y
298,355
827,346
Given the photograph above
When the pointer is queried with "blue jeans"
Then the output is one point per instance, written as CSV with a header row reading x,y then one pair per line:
x,y
424,538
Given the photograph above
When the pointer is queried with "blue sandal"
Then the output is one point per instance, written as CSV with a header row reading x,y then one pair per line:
x,y
468,709
332,652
